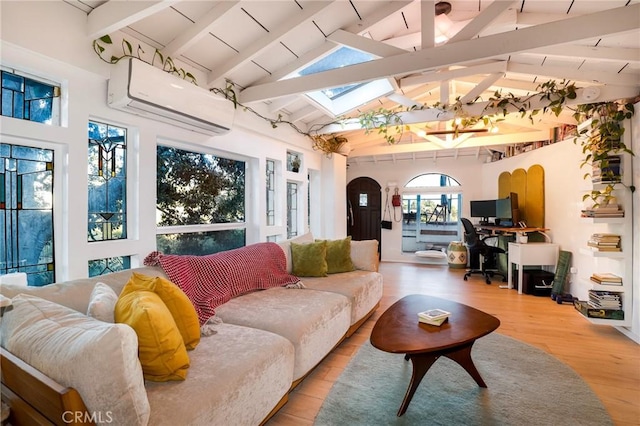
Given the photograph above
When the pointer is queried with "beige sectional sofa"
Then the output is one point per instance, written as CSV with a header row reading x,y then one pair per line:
x,y
267,342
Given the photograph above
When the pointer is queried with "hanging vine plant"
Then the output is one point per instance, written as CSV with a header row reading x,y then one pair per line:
x,y
604,139
127,52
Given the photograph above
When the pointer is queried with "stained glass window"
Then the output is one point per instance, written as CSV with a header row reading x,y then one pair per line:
x,y
271,192
108,265
28,99
107,177
26,213
292,209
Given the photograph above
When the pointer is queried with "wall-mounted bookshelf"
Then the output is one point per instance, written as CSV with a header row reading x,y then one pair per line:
x,y
557,134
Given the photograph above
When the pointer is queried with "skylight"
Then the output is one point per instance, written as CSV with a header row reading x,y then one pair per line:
x,y
340,58
339,100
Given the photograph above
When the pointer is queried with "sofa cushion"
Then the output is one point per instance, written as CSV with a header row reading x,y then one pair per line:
x,y
181,308
362,288
160,346
339,256
309,260
313,321
98,359
102,303
212,280
236,377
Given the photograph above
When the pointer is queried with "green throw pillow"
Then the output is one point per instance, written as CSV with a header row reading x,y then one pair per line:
x,y
339,256
309,260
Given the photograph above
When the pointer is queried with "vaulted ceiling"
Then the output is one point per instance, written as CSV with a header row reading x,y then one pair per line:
x,y
430,52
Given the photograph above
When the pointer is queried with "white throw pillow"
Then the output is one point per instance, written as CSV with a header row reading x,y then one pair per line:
x,y
364,255
102,303
98,359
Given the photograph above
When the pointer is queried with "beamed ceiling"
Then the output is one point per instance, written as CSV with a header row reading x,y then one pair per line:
x,y
507,46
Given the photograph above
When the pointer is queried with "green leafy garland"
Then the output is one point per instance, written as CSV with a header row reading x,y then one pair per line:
x,y
127,52
604,140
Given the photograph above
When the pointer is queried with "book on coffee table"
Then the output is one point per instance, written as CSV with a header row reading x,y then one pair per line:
x,y
433,316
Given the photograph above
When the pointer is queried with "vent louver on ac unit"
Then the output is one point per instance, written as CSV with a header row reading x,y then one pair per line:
x,y
142,89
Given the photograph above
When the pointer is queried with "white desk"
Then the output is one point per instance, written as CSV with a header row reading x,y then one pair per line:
x,y
530,254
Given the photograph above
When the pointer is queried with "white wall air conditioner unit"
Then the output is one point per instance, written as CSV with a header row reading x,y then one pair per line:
x,y
142,89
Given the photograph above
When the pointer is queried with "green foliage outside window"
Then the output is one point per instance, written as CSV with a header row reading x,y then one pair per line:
x,y
201,243
199,189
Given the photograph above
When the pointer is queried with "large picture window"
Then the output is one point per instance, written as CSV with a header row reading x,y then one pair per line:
x,y
26,213
200,202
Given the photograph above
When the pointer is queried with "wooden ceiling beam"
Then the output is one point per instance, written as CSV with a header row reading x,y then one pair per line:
x,y
480,22
615,54
199,29
627,79
607,93
305,15
359,28
612,21
112,16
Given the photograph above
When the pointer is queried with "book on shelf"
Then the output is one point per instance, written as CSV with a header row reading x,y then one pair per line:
x,y
586,310
604,248
433,316
610,210
606,170
591,213
600,299
604,242
606,278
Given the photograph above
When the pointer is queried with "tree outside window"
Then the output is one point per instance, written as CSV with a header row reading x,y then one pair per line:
x,y
200,206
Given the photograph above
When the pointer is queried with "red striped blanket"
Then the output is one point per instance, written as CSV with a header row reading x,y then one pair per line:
x,y
211,280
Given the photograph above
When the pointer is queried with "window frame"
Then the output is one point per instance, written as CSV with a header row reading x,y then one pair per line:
x,y
248,213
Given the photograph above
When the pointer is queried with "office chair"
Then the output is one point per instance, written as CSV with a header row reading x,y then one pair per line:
x,y
477,246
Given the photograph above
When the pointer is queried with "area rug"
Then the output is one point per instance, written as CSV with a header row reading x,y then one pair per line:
x,y
525,386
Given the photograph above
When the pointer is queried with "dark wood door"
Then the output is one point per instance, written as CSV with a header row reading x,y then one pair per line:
x,y
364,209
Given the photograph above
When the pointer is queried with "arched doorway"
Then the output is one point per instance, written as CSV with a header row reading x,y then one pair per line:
x,y
363,209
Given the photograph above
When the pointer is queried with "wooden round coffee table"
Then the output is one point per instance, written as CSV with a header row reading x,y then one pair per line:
x,y
398,331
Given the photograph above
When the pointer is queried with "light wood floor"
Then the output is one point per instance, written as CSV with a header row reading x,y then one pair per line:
x,y
607,360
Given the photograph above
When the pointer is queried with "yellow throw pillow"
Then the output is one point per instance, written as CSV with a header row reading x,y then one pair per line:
x,y
181,308
161,349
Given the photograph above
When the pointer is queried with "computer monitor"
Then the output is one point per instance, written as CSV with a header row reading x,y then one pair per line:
x,y
507,210
484,209
503,209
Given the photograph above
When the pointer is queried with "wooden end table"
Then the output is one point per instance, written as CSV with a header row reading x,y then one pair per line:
x,y
398,331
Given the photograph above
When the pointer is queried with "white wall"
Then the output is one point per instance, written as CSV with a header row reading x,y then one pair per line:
x,y
47,39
